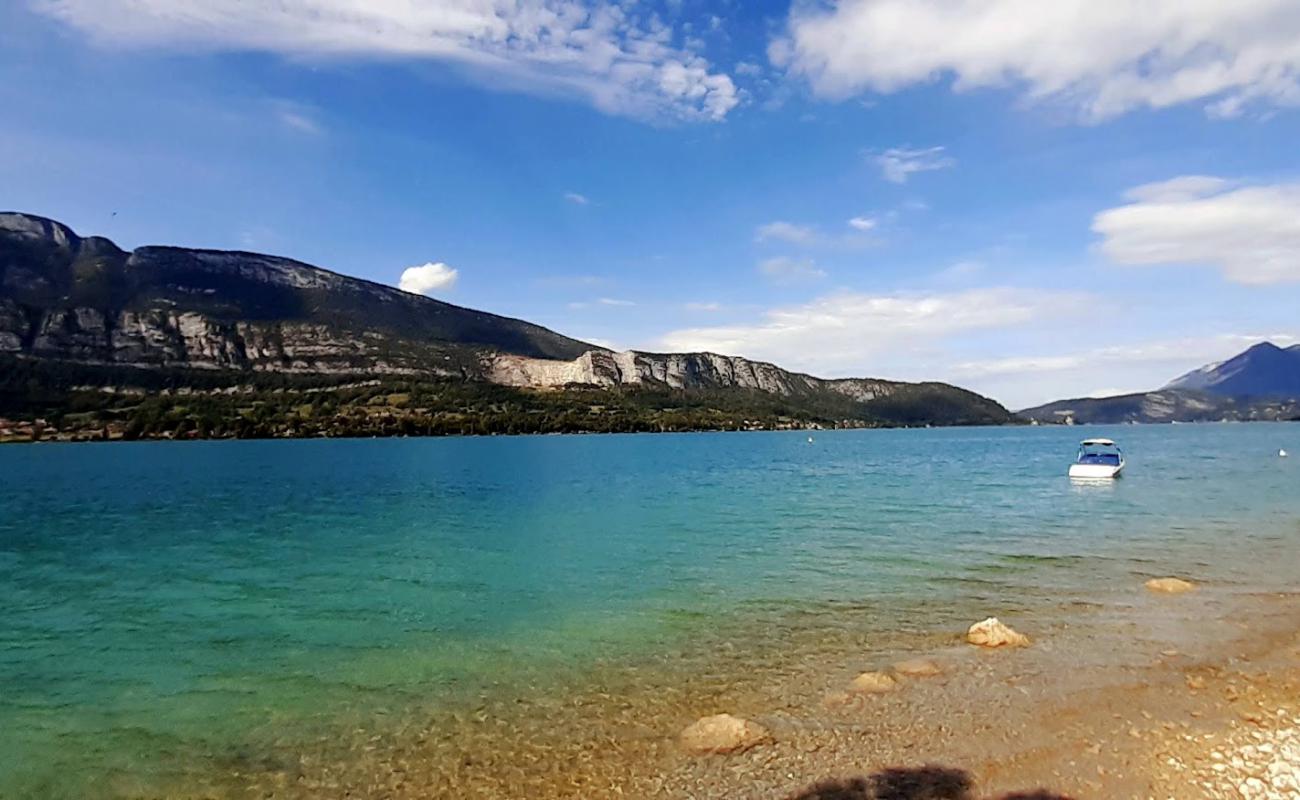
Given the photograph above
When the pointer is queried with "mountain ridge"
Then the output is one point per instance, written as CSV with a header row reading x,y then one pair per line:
x,y
72,300
1259,383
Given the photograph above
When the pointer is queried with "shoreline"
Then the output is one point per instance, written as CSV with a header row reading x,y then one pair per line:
x,y
1137,722
578,432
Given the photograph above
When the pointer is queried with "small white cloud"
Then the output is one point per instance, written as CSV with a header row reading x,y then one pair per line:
x,y
791,270
576,199
613,301
748,68
706,307
897,164
786,232
427,279
1250,233
863,223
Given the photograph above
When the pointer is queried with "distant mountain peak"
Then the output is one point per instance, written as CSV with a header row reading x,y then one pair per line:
x,y
1261,370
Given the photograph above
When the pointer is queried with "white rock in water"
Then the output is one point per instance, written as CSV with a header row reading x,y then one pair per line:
x,y
723,733
1170,585
873,683
992,633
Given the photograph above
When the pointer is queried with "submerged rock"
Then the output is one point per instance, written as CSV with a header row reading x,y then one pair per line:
x,y
1170,585
992,633
873,683
723,733
917,668
836,700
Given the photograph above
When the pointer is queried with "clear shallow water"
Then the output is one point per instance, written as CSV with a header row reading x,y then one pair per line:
x,y
174,607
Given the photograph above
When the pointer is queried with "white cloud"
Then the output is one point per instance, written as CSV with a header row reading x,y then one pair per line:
x,y
1140,367
897,164
786,232
1251,233
844,332
709,307
576,199
613,301
1103,57
863,223
791,270
619,58
428,278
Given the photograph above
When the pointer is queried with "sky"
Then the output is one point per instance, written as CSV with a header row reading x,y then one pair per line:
x,y
1033,200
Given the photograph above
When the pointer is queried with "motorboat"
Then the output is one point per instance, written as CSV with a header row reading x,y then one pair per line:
x,y
1098,458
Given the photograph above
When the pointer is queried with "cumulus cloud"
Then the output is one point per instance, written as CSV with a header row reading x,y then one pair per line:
x,y
1102,57
1249,232
841,333
619,58
897,164
791,270
863,223
428,278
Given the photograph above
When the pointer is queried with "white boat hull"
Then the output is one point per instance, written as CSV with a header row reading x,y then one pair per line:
x,y
1096,470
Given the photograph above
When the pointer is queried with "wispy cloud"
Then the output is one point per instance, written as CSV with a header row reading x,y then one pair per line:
x,y
809,236
785,270
577,199
705,307
1249,232
1101,58
897,164
573,281
619,57
844,332
1132,367
297,117
614,301
783,231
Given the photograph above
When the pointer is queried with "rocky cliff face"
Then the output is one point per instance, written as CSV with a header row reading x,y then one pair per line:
x,y
675,371
86,300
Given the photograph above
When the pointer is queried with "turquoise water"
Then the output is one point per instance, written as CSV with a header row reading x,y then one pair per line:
x,y
173,607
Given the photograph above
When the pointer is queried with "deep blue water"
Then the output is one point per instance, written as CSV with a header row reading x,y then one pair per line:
x,y
167,601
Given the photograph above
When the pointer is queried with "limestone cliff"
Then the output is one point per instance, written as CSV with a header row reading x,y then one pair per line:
x,y
675,371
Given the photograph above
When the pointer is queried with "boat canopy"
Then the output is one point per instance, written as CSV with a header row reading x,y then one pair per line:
x,y
1097,443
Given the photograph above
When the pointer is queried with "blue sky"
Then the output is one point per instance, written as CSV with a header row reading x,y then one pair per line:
x,y
1034,200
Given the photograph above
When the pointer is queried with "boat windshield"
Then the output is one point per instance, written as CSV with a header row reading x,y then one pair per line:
x,y
1094,457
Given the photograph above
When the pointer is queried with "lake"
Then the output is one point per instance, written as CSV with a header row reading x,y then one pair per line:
x,y
174,612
